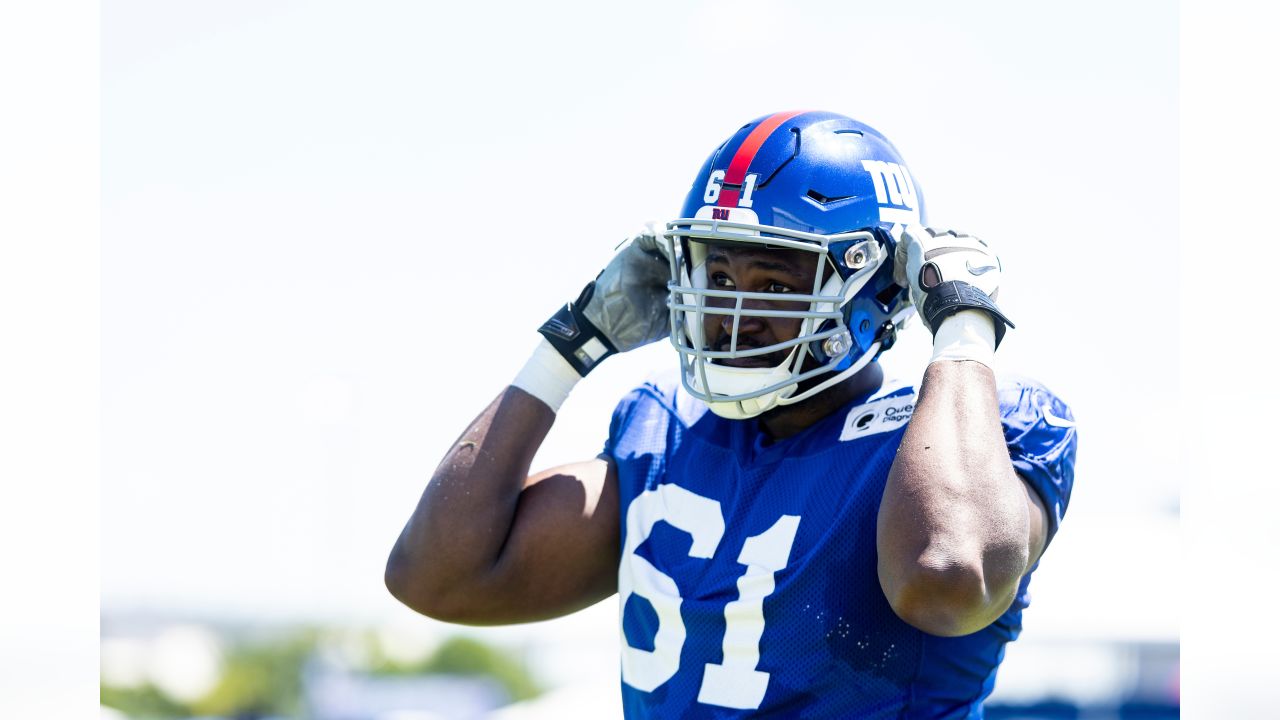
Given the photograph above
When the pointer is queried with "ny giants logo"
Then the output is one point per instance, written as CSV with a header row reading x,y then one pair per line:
x,y
895,192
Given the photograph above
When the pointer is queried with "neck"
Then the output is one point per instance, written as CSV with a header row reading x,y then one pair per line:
x,y
787,420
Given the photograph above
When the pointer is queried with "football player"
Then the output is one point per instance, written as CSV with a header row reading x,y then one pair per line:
x,y
788,532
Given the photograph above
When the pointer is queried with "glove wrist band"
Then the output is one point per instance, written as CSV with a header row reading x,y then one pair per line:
x,y
547,376
950,297
581,344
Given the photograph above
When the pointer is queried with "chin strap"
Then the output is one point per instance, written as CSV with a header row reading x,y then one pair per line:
x,y
838,377
737,409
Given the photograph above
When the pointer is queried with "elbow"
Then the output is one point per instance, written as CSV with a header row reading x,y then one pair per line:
x,y
400,583
940,601
396,576
947,599
408,583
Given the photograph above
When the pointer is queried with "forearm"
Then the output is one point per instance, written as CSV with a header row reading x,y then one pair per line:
x,y
456,534
953,527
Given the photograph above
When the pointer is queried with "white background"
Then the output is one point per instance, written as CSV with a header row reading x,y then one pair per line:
x,y
328,232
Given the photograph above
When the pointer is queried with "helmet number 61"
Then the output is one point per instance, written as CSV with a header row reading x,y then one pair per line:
x,y
715,182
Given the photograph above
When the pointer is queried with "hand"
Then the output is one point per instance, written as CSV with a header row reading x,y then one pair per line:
x,y
948,271
624,308
629,305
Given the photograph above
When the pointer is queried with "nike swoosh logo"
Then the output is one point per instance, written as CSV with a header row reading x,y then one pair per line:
x,y
978,270
1054,420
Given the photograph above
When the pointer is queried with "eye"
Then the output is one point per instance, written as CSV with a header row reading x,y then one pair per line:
x,y
721,280
777,287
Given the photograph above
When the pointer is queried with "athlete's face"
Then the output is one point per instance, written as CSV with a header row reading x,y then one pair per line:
x,y
761,270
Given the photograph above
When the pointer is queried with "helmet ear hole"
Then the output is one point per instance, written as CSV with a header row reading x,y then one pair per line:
x,y
887,295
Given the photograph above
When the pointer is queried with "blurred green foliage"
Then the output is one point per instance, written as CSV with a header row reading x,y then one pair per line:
x,y
264,676
143,702
466,656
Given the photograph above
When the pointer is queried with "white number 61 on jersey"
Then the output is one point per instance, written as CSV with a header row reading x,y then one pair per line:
x,y
735,683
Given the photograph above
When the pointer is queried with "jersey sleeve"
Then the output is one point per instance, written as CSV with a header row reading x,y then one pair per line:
x,y
621,418
655,394
1040,431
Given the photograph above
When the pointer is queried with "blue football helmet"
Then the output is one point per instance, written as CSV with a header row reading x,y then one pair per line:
x,y
813,181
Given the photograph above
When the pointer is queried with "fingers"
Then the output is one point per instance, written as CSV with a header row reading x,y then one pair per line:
x,y
900,265
649,238
931,238
925,257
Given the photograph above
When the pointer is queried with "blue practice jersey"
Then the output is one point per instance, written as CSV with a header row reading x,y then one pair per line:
x,y
748,580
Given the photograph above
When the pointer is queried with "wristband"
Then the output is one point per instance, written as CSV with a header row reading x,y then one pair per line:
x,y
946,298
547,376
575,337
966,335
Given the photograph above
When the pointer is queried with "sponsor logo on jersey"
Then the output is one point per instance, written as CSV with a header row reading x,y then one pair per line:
x,y
878,416
895,192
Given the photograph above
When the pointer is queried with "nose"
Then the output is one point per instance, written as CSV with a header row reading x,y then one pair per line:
x,y
750,327
747,324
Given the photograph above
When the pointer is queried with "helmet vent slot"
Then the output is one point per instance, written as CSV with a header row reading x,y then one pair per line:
x,y
795,152
886,296
824,200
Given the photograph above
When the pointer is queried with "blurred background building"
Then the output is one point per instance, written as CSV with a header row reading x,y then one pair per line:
x,y
185,670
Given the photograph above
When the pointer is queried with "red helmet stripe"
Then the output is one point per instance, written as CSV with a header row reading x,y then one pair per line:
x,y
741,161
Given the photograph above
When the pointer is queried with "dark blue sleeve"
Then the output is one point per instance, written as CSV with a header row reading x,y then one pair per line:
x,y
1041,434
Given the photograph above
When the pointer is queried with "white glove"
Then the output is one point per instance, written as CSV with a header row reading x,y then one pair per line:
x,y
948,271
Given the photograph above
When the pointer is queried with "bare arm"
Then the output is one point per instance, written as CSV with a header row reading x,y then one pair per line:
x,y
957,527
487,544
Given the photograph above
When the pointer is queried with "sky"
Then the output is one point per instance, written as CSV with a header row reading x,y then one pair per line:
x,y
285,352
